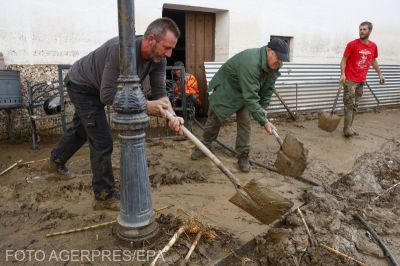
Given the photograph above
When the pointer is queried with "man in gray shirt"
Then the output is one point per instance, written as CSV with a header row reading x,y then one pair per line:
x,y
92,84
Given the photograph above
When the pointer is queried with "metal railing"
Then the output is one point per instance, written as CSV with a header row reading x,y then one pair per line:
x,y
312,87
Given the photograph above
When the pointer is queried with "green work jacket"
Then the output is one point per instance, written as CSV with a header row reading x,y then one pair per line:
x,y
243,80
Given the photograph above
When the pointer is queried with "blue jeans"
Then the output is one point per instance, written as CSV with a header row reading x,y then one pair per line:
x,y
89,124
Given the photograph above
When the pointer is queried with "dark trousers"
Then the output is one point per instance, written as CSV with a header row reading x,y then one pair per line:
x,y
243,124
89,123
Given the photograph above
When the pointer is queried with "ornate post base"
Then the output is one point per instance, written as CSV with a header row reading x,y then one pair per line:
x,y
139,237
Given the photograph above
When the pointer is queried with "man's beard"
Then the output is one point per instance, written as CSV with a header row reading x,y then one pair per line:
x,y
365,37
153,54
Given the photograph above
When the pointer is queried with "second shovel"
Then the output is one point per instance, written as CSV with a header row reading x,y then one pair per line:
x,y
292,157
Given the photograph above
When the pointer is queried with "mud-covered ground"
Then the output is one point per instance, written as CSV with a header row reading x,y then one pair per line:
x,y
368,190
351,173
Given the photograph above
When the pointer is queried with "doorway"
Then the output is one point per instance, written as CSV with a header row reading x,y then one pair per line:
x,y
195,46
178,53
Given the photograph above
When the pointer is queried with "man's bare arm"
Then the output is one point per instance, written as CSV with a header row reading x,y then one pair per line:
x,y
375,65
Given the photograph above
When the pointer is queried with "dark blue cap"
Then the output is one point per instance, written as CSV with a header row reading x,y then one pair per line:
x,y
280,47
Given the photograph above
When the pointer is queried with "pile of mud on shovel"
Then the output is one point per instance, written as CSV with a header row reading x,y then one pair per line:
x,y
329,121
292,157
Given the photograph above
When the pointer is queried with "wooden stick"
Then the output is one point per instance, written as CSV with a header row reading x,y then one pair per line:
x,y
170,243
195,242
97,225
163,208
34,161
381,244
340,254
11,167
81,229
387,190
306,226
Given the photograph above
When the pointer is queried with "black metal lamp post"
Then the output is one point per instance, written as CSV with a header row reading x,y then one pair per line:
x,y
135,224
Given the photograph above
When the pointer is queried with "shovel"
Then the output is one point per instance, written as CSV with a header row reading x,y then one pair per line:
x,y
255,197
285,105
292,157
329,121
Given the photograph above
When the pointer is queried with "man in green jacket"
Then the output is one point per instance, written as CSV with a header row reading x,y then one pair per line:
x,y
243,85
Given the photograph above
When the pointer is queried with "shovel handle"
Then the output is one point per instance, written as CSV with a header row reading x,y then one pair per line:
x,y
285,105
207,152
336,98
278,138
372,92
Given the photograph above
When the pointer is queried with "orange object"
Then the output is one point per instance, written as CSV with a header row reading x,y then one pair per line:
x,y
191,87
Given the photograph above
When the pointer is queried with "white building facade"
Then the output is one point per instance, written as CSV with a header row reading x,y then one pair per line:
x,y
60,32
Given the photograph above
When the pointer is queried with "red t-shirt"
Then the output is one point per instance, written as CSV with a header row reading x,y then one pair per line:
x,y
359,57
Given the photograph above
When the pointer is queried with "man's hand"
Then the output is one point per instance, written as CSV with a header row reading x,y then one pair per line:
x,y
342,79
381,79
175,124
269,127
157,107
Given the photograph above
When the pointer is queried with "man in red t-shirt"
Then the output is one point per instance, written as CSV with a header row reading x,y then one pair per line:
x,y
359,55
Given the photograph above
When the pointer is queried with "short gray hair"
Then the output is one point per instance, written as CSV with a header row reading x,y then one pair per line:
x,y
367,23
160,26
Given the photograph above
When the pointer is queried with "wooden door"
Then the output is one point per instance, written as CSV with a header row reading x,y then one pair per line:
x,y
200,36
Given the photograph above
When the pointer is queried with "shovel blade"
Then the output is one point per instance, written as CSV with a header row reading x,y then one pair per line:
x,y
262,203
288,166
292,158
328,122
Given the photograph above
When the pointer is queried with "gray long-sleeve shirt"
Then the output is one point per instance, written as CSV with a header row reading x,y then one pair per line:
x,y
100,69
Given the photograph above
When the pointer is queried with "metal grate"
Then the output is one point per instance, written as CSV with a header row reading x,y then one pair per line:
x,y
312,87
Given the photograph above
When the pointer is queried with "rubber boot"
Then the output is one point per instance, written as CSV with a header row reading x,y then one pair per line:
x,y
347,131
351,124
244,162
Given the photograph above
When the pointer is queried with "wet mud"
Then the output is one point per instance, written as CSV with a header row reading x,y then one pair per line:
x,y
351,174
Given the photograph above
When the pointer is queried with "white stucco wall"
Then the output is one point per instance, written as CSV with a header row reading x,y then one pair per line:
x,y
55,31
321,29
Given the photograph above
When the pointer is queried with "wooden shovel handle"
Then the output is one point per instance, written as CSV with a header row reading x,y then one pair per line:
x,y
278,138
285,105
372,92
207,152
336,98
